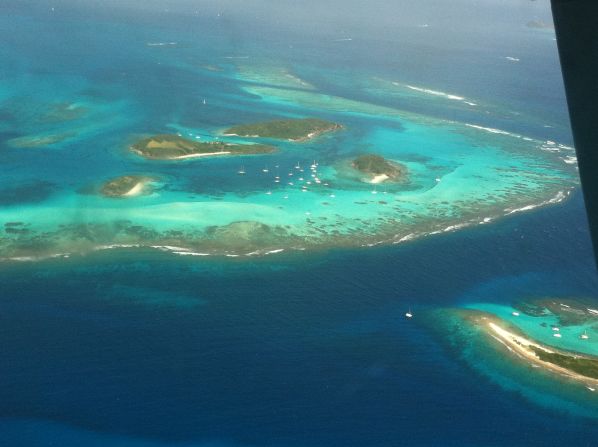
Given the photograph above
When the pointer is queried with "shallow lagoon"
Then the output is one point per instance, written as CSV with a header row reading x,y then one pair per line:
x,y
135,346
459,174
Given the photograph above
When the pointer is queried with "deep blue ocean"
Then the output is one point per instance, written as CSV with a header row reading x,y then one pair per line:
x,y
146,349
298,350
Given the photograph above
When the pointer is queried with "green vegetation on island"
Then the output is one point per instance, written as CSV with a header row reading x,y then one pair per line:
x,y
379,168
173,147
289,129
125,186
581,365
577,366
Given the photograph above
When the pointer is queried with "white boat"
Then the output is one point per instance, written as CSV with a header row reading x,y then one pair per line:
x,y
557,335
409,314
265,170
515,314
556,329
241,171
584,336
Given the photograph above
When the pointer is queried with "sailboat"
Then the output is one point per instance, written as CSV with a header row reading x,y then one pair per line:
x,y
409,314
584,336
241,171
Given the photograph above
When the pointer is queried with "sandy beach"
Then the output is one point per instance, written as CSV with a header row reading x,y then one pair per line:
x,y
379,179
136,190
522,347
206,154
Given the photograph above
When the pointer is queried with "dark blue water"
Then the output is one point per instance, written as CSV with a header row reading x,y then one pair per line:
x,y
301,350
140,349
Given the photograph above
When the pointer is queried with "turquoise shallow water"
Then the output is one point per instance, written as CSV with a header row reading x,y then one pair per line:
x,y
70,129
117,343
532,326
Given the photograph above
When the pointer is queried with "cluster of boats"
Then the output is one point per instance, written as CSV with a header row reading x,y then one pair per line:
x,y
557,330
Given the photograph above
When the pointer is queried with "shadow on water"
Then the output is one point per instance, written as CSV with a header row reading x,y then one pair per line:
x,y
26,193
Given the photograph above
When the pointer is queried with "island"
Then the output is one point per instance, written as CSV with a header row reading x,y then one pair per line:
x,y
574,365
580,367
174,147
297,130
64,111
378,168
126,186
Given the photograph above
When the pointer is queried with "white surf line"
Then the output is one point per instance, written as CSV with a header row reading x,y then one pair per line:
x,y
570,159
161,44
560,196
277,250
113,246
435,92
170,248
493,130
190,253
547,146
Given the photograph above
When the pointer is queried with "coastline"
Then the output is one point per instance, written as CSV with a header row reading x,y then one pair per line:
x,y
137,189
379,179
521,345
181,157
526,349
232,132
181,248
206,154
